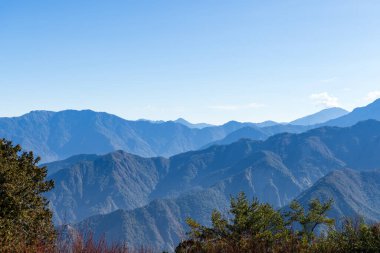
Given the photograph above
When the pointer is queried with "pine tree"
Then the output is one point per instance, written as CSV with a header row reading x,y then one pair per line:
x,y
25,219
310,219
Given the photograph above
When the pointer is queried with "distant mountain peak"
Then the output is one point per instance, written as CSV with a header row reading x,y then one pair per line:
x,y
267,123
320,117
184,122
34,112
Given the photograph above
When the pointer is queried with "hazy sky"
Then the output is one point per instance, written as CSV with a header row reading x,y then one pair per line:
x,y
203,60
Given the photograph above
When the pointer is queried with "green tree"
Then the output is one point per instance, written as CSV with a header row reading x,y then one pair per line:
x,y
25,219
309,219
251,227
255,228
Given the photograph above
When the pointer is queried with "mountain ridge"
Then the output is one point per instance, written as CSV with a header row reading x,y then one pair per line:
x,y
355,194
275,170
59,135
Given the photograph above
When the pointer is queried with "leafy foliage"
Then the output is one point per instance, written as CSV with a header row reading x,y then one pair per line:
x,y
311,219
254,227
24,215
251,226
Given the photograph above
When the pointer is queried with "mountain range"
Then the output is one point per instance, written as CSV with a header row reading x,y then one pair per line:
x,y
275,171
327,117
356,194
59,135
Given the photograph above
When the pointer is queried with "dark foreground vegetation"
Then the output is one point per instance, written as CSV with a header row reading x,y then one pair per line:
x,y
255,227
26,222
79,244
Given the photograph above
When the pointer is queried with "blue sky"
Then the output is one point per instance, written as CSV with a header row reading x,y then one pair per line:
x,y
204,60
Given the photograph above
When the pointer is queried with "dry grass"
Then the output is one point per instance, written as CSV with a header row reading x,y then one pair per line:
x,y
84,243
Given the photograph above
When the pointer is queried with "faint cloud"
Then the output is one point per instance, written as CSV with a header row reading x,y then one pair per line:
x,y
373,95
225,107
329,80
255,105
347,89
150,108
236,107
161,109
325,100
